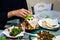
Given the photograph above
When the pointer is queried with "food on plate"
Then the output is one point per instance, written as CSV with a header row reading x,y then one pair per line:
x,y
28,26
44,35
45,23
15,31
48,23
30,23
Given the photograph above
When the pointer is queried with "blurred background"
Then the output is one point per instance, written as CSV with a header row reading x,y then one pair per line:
x,y
56,3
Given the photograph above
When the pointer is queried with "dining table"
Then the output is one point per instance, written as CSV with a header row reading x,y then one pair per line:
x,y
39,15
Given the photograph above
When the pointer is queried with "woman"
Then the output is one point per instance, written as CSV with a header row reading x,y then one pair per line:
x,y
12,9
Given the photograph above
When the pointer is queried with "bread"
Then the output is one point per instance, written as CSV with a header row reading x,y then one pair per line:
x,y
49,23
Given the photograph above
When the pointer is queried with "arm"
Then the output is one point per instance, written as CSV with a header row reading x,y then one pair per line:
x,y
23,5
24,10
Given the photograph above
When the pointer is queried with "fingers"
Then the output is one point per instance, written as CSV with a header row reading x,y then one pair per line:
x,y
24,12
27,12
22,15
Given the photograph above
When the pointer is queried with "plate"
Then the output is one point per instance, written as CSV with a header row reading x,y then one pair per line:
x,y
7,31
56,38
48,22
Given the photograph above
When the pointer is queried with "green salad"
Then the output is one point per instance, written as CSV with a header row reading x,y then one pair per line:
x,y
15,31
28,17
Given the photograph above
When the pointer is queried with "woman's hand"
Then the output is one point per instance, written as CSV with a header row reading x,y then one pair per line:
x,y
19,13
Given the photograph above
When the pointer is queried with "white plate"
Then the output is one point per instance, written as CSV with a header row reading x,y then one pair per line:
x,y
6,32
56,38
55,20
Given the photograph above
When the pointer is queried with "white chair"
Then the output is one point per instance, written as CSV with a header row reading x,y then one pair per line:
x,y
42,7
